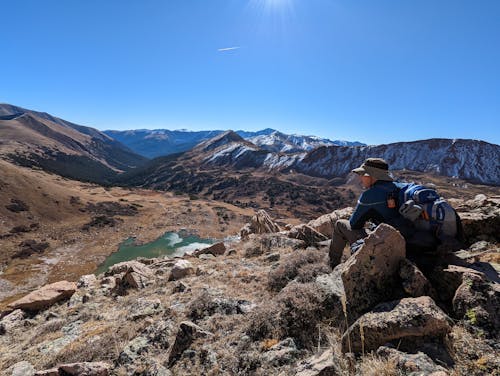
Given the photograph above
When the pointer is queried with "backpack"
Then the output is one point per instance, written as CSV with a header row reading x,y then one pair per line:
x,y
428,211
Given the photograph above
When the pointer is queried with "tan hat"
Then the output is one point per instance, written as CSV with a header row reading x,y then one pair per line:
x,y
377,168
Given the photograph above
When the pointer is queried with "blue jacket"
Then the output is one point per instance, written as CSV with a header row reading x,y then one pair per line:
x,y
372,205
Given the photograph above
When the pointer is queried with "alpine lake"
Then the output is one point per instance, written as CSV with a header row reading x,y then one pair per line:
x,y
170,244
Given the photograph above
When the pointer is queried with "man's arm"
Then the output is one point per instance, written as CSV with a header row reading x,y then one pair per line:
x,y
364,211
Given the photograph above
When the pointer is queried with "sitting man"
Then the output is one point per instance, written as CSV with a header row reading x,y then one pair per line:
x,y
377,204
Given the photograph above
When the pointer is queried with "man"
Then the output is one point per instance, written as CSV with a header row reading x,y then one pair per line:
x,y
377,204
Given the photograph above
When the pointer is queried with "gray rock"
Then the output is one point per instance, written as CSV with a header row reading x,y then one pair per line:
x,y
206,256
12,320
145,307
284,352
23,368
133,349
85,369
307,234
260,223
332,287
273,257
88,281
407,318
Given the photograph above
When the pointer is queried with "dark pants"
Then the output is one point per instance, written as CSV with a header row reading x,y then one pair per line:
x,y
343,235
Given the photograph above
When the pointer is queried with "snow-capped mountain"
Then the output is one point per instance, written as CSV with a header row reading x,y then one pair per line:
x,y
472,160
160,142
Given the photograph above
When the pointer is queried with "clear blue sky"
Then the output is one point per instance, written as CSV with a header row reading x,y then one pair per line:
x,y
376,71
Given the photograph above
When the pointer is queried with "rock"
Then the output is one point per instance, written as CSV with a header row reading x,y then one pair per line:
x,y
370,276
85,369
12,320
180,287
145,307
480,217
407,318
186,334
478,301
414,282
209,304
88,281
48,372
133,349
284,352
273,257
332,287
410,363
218,249
307,234
23,368
446,281
319,365
181,269
206,256
260,223
45,296
259,244
325,223
135,274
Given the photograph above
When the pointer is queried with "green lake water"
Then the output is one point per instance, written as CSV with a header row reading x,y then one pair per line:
x,y
170,244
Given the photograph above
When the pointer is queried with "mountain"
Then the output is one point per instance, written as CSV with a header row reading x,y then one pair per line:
x,y
160,142
39,139
476,161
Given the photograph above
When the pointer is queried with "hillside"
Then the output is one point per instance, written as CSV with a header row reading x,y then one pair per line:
x,y
38,139
270,305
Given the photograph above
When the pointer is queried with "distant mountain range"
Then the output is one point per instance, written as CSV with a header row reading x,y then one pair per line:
x,y
161,142
39,139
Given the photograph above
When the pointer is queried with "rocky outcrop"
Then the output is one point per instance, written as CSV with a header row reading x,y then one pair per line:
x,y
325,223
261,223
131,274
414,282
410,363
307,234
370,276
186,334
407,318
45,296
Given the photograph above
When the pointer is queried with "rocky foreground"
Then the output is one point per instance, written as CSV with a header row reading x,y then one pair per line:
x,y
271,305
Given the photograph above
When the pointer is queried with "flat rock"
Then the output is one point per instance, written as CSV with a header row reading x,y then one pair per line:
x,y
407,318
45,296
325,223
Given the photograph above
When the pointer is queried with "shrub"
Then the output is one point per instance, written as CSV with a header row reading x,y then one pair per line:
x,y
303,265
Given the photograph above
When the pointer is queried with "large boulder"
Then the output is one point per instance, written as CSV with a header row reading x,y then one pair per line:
x,y
370,276
260,223
404,319
414,282
218,249
45,296
325,223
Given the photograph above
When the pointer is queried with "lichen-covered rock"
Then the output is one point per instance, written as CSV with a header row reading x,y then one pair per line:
x,y
145,307
260,223
186,334
370,276
284,352
478,301
11,321
45,296
407,318
481,218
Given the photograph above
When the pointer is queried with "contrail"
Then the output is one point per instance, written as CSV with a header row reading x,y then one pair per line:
x,y
228,49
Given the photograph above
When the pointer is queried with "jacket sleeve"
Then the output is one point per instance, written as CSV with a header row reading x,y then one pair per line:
x,y
357,218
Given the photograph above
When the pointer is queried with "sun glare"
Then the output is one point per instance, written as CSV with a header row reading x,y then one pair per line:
x,y
272,5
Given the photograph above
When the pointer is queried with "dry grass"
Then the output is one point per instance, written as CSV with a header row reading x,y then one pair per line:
x,y
471,354
303,265
371,365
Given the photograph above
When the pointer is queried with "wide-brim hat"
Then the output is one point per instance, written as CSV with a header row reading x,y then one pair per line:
x,y
377,168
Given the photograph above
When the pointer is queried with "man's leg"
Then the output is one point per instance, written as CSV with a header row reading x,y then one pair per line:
x,y
342,235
